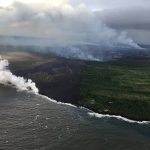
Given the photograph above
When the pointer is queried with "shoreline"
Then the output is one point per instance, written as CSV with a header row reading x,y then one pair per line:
x,y
70,94
61,78
91,113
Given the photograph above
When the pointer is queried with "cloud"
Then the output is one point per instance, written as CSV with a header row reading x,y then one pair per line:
x,y
134,20
127,17
131,16
59,21
112,4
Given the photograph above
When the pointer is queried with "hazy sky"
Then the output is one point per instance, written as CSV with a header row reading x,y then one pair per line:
x,y
51,17
131,16
102,4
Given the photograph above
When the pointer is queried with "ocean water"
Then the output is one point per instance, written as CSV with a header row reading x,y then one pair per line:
x,y
32,122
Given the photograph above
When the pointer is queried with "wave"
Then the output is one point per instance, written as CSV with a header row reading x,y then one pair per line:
x,y
93,114
54,101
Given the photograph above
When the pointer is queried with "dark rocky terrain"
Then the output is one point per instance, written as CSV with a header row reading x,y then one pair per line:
x,y
58,80
56,77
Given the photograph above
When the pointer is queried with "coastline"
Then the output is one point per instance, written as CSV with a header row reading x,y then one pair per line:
x,y
62,80
95,114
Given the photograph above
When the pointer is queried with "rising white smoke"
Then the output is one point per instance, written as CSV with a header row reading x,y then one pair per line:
x,y
21,84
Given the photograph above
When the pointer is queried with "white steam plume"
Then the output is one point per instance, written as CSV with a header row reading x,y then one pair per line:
x,y
7,78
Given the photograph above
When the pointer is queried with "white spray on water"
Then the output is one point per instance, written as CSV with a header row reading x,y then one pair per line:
x,y
8,78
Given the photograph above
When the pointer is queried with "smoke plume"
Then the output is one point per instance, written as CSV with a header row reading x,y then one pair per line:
x,y
7,78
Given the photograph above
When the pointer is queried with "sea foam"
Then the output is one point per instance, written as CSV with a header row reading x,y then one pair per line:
x,y
92,114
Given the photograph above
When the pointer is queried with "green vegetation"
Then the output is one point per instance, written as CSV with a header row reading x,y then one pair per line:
x,y
121,88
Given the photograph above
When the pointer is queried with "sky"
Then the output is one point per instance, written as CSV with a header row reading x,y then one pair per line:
x,y
78,19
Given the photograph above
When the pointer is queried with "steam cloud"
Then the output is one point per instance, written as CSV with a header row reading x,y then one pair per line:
x,y
60,22
7,78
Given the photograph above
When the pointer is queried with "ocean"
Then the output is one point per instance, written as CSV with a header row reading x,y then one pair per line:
x,y
34,122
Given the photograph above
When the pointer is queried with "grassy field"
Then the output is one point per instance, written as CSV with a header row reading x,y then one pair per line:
x,y
120,88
